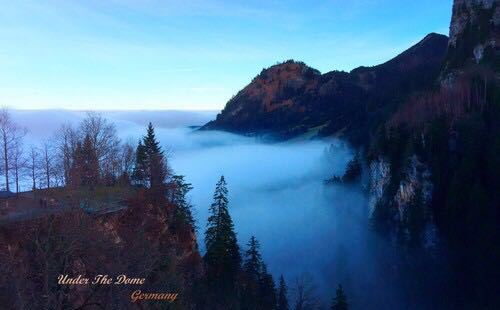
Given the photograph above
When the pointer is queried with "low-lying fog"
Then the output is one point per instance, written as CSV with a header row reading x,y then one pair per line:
x,y
276,193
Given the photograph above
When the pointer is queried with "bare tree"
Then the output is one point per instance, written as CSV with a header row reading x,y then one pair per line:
x,y
127,158
104,140
18,162
47,162
305,293
66,140
33,164
10,135
58,171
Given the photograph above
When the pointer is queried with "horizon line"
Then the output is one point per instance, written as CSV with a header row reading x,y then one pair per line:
x,y
111,110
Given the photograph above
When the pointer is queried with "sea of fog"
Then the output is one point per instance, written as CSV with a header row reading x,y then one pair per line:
x,y
276,192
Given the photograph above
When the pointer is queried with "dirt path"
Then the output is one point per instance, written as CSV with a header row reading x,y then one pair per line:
x,y
31,205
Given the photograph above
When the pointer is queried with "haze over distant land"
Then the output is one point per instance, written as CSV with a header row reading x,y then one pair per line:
x,y
182,54
36,121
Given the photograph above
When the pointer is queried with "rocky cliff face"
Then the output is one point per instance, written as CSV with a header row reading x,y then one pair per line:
x,y
466,12
379,175
291,98
474,36
437,140
412,196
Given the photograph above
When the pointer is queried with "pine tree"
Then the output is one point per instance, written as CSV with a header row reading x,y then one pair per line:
x,y
156,168
222,257
139,175
353,170
85,167
340,300
253,260
267,290
282,303
179,199
252,267
150,143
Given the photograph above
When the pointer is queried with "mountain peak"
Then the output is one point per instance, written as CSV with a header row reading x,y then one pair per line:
x,y
289,66
433,36
290,98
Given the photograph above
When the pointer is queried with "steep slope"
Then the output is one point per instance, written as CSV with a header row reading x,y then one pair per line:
x,y
141,241
474,36
290,98
435,161
273,100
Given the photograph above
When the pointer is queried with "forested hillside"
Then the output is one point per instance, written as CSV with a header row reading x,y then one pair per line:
x,y
290,98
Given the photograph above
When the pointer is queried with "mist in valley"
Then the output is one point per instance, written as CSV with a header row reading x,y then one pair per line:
x,y
307,230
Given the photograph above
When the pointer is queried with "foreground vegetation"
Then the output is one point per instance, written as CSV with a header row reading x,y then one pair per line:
x,y
126,212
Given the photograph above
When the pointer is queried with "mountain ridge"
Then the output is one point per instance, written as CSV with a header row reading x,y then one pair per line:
x,y
289,98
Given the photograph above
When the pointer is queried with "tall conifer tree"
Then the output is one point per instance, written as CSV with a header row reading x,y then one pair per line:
x,y
139,175
222,257
150,169
156,168
180,200
150,143
340,300
267,290
282,303
253,260
252,267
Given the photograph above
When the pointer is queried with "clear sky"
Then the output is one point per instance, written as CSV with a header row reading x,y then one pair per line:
x,y
189,54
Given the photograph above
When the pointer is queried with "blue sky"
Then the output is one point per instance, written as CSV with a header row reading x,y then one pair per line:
x,y
146,54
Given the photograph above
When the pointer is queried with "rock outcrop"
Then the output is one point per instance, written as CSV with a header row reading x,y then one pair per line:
x,y
467,90
379,175
474,36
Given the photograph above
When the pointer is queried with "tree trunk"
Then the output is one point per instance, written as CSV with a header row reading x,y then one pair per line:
x,y
48,175
33,175
6,161
47,167
17,178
